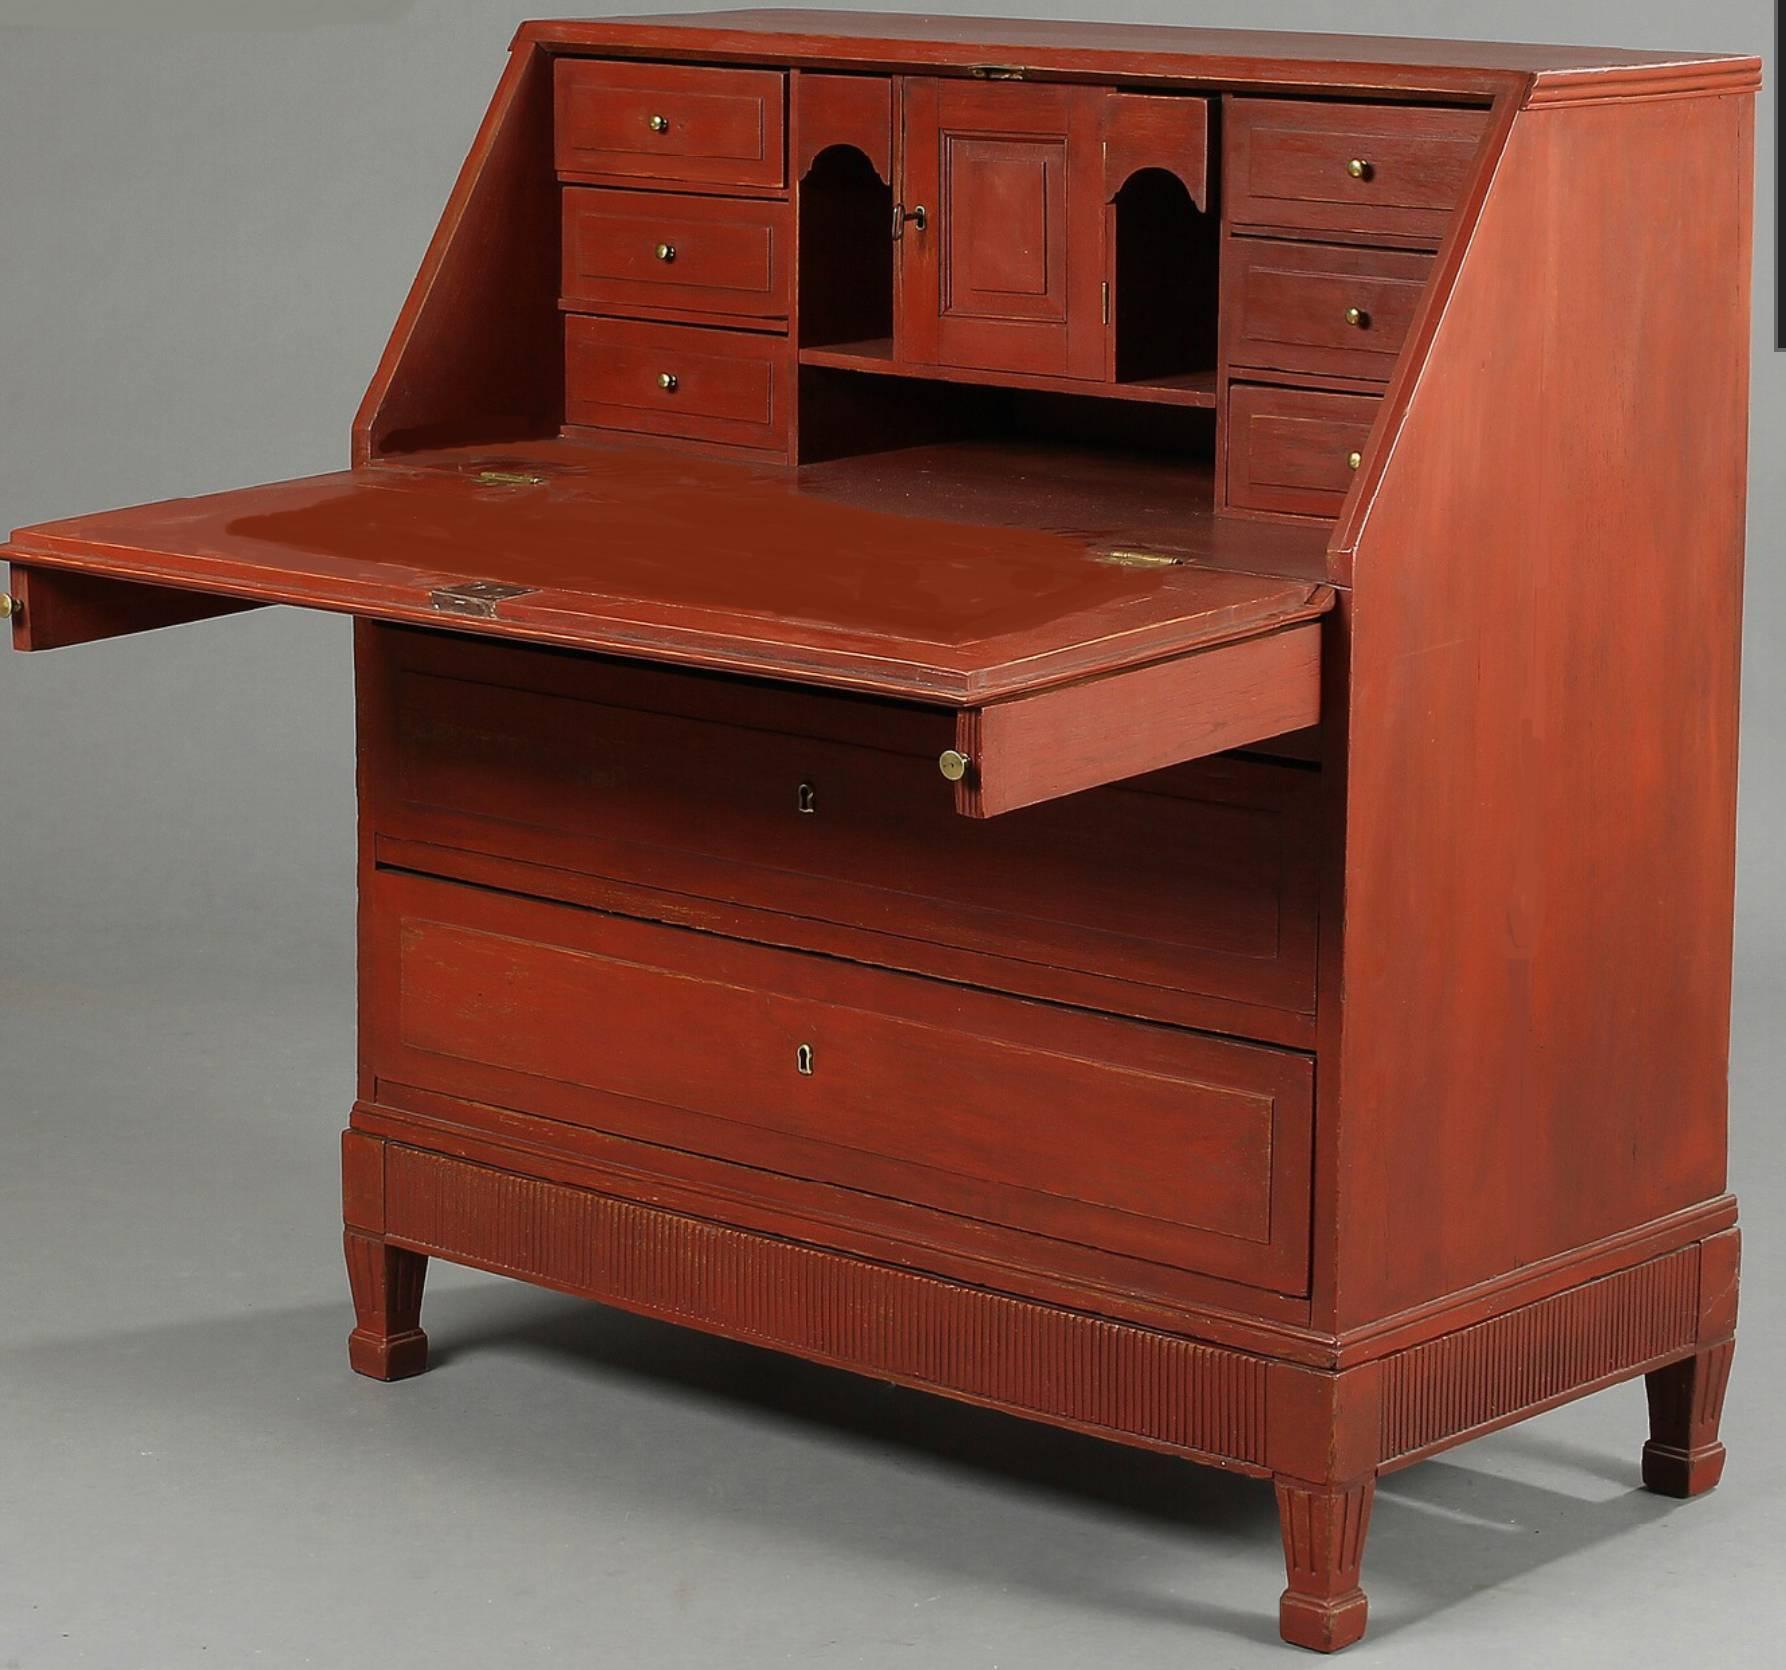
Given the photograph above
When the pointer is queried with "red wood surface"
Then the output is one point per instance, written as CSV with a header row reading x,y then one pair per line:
x,y
829,579
1006,272
1143,130
475,353
1290,164
1290,307
54,609
695,125
591,766
853,110
1199,1157
1081,736
719,255
1290,450
1540,829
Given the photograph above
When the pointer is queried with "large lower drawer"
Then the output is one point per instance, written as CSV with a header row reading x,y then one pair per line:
x,y
813,820
1181,1149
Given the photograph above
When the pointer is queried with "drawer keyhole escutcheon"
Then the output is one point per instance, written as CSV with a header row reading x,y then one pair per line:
x,y
806,799
667,381
666,252
1359,169
1358,319
659,124
803,1060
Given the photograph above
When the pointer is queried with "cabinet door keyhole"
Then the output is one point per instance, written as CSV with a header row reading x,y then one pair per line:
x,y
806,799
803,1060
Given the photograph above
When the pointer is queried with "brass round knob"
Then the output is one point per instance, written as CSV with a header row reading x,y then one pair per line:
x,y
952,765
9,605
1359,169
667,381
659,124
1354,460
1357,318
666,252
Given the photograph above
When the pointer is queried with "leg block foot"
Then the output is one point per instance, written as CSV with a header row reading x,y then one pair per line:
x,y
1324,1528
1683,1456
387,1342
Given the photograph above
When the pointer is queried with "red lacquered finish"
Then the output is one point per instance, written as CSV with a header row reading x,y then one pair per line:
x,y
1021,729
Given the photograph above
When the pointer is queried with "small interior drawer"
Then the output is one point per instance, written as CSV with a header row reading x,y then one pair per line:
x,y
1393,170
1186,1150
1319,307
672,122
1295,450
717,255
680,380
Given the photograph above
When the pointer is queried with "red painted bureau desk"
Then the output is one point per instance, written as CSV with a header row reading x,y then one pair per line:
x,y
1050,711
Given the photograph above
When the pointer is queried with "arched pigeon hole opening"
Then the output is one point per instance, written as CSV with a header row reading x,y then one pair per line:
x,y
846,251
1165,289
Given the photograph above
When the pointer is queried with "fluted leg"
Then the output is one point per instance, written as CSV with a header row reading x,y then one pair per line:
x,y
1683,1456
387,1342
1324,1529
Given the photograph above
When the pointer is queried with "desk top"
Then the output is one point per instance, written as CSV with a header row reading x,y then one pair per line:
x,y
945,574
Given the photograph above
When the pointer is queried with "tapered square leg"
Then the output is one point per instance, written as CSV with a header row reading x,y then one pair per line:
x,y
1324,1530
387,1342
1683,1456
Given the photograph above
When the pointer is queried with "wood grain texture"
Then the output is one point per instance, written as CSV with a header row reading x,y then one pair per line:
x,y
1324,1527
1084,736
1542,739
852,110
1143,130
1074,1370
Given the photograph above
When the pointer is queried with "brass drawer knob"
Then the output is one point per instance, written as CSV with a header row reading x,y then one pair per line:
x,y
1357,318
1359,169
803,1060
668,381
666,252
9,606
658,124
1354,460
953,765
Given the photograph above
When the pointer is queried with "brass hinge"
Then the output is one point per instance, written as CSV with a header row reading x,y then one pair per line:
x,y
999,72
477,598
1106,289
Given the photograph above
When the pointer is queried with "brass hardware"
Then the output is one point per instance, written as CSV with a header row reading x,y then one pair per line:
x,y
803,1060
476,597
998,72
668,381
953,765
1106,288
1358,318
1121,557
659,124
1354,460
509,478
1359,169
666,252
806,799
918,215
10,606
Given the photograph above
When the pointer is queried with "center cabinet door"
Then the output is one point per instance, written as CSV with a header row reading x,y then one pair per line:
x,y
1006,273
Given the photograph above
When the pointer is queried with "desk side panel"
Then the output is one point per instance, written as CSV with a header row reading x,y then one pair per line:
x,y
1542,736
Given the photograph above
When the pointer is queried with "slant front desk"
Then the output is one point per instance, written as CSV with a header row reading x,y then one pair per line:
x,y
1050,711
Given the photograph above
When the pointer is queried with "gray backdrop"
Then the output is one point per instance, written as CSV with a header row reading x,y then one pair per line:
x,y
211,212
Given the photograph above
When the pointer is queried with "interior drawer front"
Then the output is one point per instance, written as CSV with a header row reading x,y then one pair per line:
x,y
1292,449
1189,895
707,385
722,255
684,122
1167,1145
1320,308
1386,169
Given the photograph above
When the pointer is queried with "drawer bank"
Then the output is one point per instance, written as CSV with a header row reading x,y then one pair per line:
x,y
1049,711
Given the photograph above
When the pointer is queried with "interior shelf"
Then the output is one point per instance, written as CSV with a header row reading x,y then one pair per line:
x,y
1190,388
